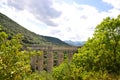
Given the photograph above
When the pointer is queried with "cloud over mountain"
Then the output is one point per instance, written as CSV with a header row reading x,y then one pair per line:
x,y
41,9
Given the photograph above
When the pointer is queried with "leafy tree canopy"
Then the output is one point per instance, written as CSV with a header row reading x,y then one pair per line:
x,y
102,51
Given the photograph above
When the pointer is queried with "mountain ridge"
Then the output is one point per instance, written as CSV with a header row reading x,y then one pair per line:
x,y
75,43
12,28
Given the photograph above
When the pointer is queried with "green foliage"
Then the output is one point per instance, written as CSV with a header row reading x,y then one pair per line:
x,y
39,76
61,72
102,52
66,71
99,58
14,64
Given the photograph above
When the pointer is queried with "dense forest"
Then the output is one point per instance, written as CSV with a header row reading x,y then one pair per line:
x,y
98,59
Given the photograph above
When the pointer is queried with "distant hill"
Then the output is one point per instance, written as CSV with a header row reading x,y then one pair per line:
x,y
30,38
75,43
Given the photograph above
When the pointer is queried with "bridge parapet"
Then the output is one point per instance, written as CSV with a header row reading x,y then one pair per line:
x,y
54,48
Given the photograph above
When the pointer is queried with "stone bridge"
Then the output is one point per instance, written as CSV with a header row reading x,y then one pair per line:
x,y
51,56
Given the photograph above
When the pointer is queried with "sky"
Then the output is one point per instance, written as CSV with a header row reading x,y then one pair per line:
x,y
64,19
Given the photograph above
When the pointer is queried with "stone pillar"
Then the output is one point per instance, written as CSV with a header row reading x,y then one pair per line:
x,y
33,63
49,61
60,57
70,54
40,62
55,58
45,60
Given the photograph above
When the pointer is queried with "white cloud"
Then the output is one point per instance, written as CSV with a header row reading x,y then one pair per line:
x,y
42,9
76,22
79,18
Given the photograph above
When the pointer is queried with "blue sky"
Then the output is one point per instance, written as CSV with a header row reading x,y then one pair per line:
x,y
65,19
99,4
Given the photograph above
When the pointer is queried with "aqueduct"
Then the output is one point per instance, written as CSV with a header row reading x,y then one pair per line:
x,y
51,56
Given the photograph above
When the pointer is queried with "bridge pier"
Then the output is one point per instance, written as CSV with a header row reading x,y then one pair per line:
x,y
60,57
49,61
40,62
33,63
70,54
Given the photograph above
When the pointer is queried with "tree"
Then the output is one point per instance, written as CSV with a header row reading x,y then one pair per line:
x,y
14,63
102,51
108,35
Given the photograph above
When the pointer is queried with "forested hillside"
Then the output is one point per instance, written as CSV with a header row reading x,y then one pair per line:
x,y
29,38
